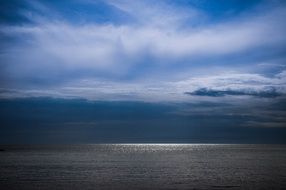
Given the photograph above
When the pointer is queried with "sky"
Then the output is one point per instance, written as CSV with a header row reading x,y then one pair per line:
x,y
85,71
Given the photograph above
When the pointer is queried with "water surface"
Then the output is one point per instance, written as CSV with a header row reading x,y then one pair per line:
x,y
143,166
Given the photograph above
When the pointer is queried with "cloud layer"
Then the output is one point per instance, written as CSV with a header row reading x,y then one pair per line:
x,y
267,93
141,50
102,71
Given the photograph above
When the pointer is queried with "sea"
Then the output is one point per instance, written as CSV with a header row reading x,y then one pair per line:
x,y
142,166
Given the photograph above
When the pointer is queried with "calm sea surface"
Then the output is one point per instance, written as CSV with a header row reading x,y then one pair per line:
x,y
143,166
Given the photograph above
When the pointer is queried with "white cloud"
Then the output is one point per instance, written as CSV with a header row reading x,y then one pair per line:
x,y
234,81
160,31
107,46
151,91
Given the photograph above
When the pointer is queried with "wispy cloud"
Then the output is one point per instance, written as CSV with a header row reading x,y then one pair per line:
x,y
95,59
223,87
96,45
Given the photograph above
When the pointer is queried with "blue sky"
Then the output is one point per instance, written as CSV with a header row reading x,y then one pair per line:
x,y
140,50
230,53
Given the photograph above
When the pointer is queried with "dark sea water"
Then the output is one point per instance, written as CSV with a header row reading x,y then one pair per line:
x,y
143,166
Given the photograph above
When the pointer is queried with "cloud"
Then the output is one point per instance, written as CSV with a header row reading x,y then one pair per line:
x,y
141,58
228,88
104,44
266,124
267,93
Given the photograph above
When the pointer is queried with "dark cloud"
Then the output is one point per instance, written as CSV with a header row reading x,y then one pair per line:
x,y
268,93
47,120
